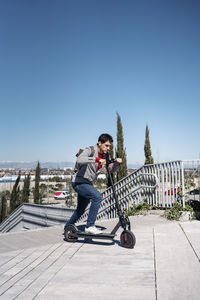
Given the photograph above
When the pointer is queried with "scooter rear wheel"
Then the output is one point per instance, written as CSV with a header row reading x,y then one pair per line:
x,y
70,234
127,239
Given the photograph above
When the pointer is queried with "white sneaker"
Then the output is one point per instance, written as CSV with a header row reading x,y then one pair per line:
x,y
93,230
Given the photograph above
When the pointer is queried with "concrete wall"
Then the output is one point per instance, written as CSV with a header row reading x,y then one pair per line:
x,y
31,216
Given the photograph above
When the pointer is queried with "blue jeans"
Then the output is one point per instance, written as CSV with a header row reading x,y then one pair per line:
x,y
86,193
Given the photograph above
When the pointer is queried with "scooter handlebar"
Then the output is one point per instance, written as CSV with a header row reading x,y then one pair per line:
x,y
108,159
113,160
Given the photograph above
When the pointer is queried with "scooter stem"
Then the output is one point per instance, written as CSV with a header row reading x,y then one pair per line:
x,y
108,161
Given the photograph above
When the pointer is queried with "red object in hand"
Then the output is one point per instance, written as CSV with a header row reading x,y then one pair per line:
x,y
100,156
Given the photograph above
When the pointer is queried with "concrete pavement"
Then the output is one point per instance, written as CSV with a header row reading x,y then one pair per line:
x,y
165,263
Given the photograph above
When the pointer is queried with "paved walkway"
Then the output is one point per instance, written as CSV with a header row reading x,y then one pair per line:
x,y
165,264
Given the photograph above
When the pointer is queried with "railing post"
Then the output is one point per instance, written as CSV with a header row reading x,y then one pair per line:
x,y
183,183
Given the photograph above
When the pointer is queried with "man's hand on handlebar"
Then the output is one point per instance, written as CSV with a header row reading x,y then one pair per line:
x,y
118,160
103,161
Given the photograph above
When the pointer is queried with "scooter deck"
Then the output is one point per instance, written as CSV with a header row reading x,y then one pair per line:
x,y
103,236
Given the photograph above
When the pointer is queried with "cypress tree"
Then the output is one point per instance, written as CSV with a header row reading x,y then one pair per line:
x,y
3,207
147,148
26,189
37,185
69,201
15,195
120,151
4,196
112,175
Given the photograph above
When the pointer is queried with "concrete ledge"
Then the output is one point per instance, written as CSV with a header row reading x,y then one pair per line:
x,y
186,215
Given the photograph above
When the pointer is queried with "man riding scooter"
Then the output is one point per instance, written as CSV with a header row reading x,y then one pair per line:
x,y
90,163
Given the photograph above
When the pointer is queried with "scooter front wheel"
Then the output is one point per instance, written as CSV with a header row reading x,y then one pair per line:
x,y
127,239
70,233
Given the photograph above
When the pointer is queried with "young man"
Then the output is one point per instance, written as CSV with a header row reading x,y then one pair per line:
x,y
89,166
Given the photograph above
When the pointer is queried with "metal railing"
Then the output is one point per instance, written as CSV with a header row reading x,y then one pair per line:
x,y
170,183
132,189
160,185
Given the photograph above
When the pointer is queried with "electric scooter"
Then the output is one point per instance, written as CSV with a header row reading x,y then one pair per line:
x,y
127,238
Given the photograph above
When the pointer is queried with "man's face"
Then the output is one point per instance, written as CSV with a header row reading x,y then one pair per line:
x,y
104,147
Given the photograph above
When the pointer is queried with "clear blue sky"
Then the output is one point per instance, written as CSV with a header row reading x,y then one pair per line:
x,y
66,67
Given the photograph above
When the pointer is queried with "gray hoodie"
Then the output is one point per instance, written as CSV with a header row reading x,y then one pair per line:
x,y
87,172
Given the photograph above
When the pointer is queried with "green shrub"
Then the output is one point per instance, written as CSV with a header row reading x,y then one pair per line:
x,y
176,211
173,213
140,208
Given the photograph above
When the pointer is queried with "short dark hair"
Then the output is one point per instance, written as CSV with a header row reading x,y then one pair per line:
x,y
104,137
